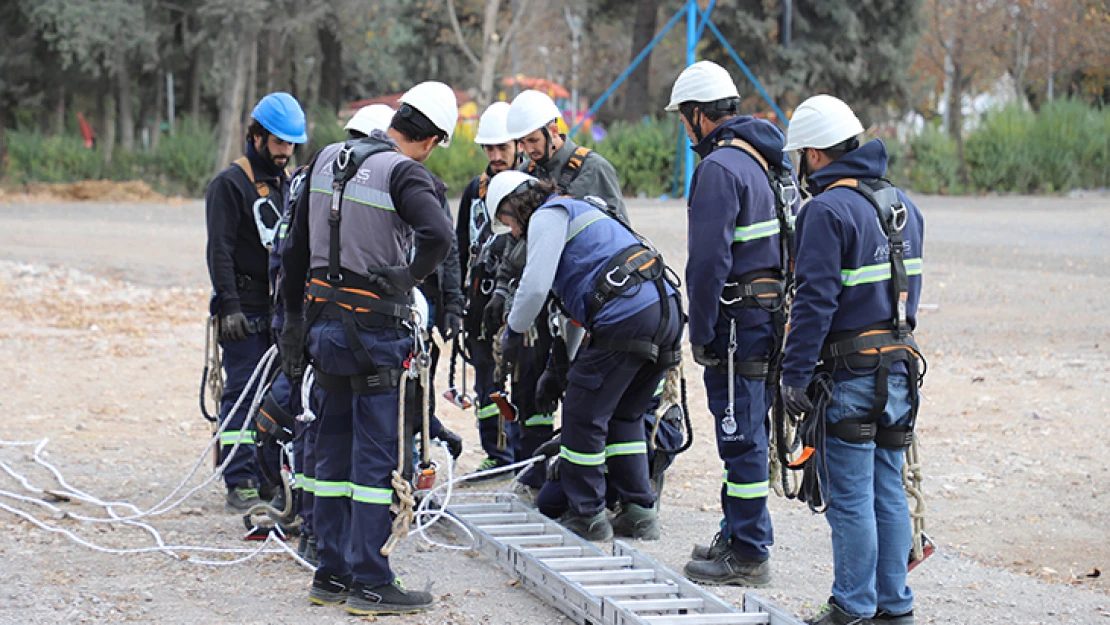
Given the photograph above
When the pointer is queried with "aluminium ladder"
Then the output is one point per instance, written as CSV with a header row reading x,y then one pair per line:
x,y
587,584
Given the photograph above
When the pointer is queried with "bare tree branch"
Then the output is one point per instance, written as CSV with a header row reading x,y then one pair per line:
x,y
459,34
518,17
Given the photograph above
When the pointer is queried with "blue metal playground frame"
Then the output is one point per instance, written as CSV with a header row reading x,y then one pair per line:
x,y
694,32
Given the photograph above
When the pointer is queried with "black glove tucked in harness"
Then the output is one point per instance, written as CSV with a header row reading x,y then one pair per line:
x,y
291,347
493,315
704,356
393,281
234,327
795,400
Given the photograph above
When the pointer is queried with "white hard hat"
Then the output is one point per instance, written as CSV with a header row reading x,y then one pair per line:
x,y
491,125
530,111
704,81
821,122
501,186
437,102
370,118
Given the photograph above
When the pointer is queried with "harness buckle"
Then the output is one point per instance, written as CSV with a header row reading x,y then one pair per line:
x,y
615,284
486,286
786,192
898,216
344,157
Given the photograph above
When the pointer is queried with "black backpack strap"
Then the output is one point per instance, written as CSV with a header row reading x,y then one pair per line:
x,y
573,167
344,167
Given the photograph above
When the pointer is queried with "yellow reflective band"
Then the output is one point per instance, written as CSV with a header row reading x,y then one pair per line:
x,y
754,490
332,489
586,460
760,230
232,437
626,449
488,411
369,494
540,419
662,385
308,484
877,273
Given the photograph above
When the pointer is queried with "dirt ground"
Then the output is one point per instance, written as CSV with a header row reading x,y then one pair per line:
x,y
101,313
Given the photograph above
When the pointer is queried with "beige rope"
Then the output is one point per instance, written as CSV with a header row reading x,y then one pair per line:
x,y
401,487
912,478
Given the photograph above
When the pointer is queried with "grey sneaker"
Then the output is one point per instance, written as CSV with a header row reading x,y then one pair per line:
x,y
328,589
731,569
387,599
831,614
713,550
242,497
886,618
595,528
635,521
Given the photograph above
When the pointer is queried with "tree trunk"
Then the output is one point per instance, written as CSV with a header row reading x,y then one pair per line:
x,y
491,51
195,73
159,108
231,107
331,64
637,94
107,124
3,141
60,112
126,104
250,98
272,50
956,116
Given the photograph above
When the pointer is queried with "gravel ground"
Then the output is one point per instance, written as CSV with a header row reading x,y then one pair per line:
x,y
101,310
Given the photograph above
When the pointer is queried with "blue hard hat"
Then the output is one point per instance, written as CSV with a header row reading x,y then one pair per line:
x,y
280,113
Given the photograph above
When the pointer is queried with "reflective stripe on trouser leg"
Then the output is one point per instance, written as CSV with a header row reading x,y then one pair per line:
x,y
239,360
742,445
331,507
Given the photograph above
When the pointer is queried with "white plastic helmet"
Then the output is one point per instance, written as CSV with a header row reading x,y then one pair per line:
x,y
370,118
821,122
437,102
530,111
704,81
491,125
501,186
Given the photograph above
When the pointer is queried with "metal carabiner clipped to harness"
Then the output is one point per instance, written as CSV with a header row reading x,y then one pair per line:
x,y
609,278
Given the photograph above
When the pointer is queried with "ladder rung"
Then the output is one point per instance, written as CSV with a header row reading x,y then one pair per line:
x,y
495,517
463,509
660,605
631,590
587,564
513,529
553,552
752,618
611,577
540,539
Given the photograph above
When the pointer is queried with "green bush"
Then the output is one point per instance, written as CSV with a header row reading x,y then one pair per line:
x,y
34,157
188,156
1070,146
643,154
935,167
323,130
998,152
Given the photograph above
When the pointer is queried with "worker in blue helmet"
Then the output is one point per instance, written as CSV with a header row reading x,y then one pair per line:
x,y
243,207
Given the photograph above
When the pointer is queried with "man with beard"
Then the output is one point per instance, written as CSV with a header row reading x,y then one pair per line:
x,y
243,206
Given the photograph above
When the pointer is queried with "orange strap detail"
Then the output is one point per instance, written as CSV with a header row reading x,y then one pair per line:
x,y
262,188
747,147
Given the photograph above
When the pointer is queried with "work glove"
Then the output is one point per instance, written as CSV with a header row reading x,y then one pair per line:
x,y
550,448
291,347
704,356
512,344
549,389
795,401
494,314
234,327
392,281
452,324
454,442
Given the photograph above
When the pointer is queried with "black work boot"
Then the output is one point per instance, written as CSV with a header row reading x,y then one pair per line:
x,y
329,589
832,614
306,548
731,569
242,497
387,599
711,551
596,527
886,618
635,521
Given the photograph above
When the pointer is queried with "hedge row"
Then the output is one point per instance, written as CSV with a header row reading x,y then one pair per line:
x,y
1064,146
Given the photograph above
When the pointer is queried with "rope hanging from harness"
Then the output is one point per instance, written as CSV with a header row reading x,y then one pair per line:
x,y
212,378
401,487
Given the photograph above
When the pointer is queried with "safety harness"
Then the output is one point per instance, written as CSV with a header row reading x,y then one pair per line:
x,y
622,276
877,348
767,289
332,295
267,215
572,169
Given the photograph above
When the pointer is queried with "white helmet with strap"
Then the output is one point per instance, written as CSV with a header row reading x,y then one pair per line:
x,y
437,102
530,111
704,81
821,122
370,118
501,186
492,129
